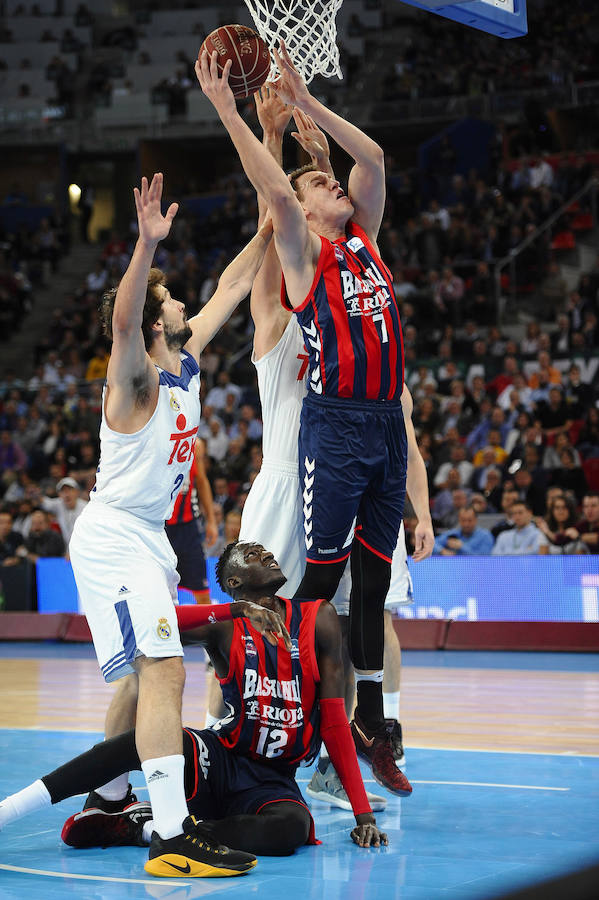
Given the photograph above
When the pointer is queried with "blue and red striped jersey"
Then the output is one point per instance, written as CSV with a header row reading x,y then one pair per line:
x,y
186,507
351,323
271,693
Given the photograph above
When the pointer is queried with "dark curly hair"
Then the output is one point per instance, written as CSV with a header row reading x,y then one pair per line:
x,y
152,307
222,564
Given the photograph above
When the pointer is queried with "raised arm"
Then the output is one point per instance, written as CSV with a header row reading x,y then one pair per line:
x,y
274,116
132,380
234,284
269,316
366,188
297,248
417,485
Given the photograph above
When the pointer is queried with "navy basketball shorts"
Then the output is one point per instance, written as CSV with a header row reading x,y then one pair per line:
x,y
186,541
352,464
220,783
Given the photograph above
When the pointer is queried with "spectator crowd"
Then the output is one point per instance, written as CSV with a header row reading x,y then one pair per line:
x,y
507,419
435,58
508,429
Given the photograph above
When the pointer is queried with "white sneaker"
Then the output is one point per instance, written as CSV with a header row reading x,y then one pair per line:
x,y
328,789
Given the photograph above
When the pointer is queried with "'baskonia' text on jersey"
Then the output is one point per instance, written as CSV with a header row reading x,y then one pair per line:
x,y
271,693
350,321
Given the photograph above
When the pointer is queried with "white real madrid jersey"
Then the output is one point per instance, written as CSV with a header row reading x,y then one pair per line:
x,y
282,387
143,472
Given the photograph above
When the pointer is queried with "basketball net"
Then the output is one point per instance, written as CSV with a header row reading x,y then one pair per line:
x,y
308,29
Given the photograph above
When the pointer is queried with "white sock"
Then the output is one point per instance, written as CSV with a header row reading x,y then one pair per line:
x,y
210,720
147,831
29,800
115,789
164,777
391,704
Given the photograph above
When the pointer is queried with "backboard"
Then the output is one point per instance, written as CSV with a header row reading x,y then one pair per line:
x,y
504,18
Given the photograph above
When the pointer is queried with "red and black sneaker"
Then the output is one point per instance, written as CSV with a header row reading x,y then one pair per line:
x,y
96,801
95,828
394,730
376,749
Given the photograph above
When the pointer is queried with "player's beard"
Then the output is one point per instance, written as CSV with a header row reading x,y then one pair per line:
x,y
175,338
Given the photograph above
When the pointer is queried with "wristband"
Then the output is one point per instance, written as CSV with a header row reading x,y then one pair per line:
x,y
190,616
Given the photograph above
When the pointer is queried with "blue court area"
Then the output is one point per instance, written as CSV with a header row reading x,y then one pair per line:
x,y
478,824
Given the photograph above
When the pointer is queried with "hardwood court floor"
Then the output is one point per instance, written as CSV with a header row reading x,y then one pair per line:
x,y
451,700
502,750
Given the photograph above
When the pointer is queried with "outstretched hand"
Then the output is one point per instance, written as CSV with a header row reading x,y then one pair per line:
x,y
310,137
367,834
216,87
153,226
273,113
289,85
266,621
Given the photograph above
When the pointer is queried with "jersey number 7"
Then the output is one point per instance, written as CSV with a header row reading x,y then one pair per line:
x,y
379,317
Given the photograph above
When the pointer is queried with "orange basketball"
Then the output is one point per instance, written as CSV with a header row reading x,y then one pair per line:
x,y
247,50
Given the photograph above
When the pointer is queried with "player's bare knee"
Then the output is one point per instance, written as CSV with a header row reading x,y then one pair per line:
x,y
166,675
127,688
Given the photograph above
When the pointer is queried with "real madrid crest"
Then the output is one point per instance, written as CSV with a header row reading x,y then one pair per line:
x,y
174,402
163,629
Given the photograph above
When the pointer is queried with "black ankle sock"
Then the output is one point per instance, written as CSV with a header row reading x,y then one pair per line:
x,y
370,705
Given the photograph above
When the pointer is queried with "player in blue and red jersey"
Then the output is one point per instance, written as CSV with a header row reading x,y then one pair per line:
x,y
280,665
352,443
182,529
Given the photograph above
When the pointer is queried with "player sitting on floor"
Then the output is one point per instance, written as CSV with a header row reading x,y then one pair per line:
x,y
283,695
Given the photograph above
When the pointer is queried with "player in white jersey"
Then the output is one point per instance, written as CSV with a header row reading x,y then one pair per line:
x,y
273,511
122,560
282,386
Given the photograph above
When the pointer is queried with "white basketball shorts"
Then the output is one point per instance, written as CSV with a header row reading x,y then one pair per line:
x,y
401,591
272,516
127,580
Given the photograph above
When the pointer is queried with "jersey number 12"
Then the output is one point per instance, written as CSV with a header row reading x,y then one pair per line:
x,y
277,741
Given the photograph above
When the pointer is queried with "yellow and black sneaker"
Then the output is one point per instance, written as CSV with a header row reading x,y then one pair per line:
x,y
194,854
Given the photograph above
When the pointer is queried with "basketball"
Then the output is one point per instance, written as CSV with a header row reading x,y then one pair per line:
x,y
248,52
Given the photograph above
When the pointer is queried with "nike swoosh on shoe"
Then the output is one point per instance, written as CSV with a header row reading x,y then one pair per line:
x,y
186,869
368,742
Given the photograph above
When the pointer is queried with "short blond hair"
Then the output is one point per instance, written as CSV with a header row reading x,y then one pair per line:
x,y
310,167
